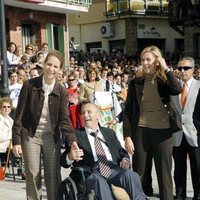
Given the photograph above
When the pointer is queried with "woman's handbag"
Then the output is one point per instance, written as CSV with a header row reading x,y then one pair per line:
x,y
3,169
1,173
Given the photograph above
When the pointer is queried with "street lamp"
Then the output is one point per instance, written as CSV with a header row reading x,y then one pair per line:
x,y
4,69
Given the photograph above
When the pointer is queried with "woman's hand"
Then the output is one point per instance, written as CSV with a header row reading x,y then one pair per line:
x,y
161,62
129,146
111,123
17,150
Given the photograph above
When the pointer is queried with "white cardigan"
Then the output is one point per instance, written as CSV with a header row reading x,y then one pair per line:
x,y
5,132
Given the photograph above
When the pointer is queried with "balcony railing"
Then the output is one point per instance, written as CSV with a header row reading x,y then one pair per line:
x,y
58,6
123,7
181,14
74,2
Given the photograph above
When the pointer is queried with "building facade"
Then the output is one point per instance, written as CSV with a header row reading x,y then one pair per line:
x,y
129,25
184,17
38,21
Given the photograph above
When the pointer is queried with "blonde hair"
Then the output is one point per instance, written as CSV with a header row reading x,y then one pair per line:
x,y
157,53
5,100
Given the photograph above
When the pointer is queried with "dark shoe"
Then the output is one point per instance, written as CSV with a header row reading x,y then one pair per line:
x,y
149,193
19,172
179,198
23,176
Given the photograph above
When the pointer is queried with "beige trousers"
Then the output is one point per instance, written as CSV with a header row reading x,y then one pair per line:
x,y
33,147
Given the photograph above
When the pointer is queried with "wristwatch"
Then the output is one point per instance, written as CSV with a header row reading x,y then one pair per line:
x,y
167,70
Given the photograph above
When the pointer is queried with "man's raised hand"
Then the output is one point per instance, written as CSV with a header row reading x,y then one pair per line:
x,y
75,153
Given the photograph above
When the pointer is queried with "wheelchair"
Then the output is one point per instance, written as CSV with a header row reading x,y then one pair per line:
x,y
71,190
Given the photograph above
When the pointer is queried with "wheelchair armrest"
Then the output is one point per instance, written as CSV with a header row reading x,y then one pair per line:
x,y
80,169
81,185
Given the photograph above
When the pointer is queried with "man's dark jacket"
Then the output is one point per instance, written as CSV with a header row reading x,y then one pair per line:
x,y
117,152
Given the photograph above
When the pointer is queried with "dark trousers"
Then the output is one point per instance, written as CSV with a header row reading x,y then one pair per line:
x,y
123,178
156,143
147,183
180,171
198,137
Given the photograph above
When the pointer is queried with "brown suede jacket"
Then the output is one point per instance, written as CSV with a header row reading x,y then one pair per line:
x,y
30,104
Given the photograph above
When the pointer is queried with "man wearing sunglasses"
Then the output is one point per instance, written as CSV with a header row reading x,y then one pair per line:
x,y
185,140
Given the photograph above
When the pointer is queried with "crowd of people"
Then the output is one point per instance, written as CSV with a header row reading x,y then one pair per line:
x,y
136,96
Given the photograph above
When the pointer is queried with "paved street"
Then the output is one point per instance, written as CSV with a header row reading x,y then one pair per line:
x,y
15,190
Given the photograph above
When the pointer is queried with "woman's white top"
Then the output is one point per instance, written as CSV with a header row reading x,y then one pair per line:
x,y
5,132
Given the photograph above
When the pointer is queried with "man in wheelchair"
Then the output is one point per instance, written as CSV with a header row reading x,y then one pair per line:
x,y
103,159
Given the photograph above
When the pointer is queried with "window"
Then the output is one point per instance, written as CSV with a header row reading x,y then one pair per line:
x,y
29,33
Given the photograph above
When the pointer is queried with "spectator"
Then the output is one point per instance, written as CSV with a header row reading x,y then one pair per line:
x,y
60,76
22,76
34,72
74,104
81,77
90,86
6,123
197,72
11,57
103,77
18,53
40,56
14,87
44,49
29,51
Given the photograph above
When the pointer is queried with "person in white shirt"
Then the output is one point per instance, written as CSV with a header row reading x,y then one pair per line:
x,y
14,87
11,57
81,77
6,123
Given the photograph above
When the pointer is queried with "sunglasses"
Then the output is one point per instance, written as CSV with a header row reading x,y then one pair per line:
x,y
6,106
71,79
185,68
30,48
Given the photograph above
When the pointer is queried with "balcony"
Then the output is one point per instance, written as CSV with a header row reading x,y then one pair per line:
x,y
141,7
185,13
58,6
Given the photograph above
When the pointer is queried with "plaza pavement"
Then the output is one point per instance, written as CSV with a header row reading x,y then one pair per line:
x,y
15,190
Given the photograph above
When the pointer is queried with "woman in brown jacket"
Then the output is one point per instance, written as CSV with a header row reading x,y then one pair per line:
x,y
40,117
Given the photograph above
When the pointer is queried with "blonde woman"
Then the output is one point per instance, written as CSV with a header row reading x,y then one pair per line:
x,y
146,118
6,123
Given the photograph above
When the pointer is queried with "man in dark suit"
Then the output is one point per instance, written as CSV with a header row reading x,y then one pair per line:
x,y
196,118
83,153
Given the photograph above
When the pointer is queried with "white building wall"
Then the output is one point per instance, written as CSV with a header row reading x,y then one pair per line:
x,y
158,28
87,33
147,28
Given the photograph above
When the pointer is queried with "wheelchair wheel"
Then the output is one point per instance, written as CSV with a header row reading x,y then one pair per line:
x,y
68,190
